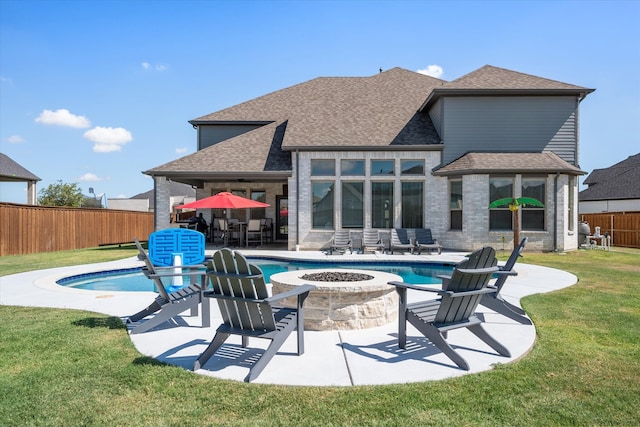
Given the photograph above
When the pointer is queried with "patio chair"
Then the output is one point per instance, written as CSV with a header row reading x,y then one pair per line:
x,y
495,301
341,242
401,240
455,308
168,305
371,240
424,240
253,232
226,230
248,311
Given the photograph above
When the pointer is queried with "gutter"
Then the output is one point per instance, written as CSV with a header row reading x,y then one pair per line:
x,y
555,209
297,199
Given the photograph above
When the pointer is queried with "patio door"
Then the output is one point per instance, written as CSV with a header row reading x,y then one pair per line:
x,y
282,218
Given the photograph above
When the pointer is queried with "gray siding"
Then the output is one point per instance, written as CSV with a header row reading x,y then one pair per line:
x,y
435,113
209,135
510,124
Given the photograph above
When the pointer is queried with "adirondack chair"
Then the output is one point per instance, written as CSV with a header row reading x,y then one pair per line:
x,y
248,311
455,308
341,241
424,240
371,240
495,301
401,240
168,305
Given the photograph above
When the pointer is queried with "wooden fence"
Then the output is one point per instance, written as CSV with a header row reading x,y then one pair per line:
x,y
26,229
623,227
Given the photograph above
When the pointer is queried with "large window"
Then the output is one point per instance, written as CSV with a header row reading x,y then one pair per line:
x,y
352,167
412,167
500,218
455,204
258,196
533,216
382,167
353,204
322,199
322,167
412,205
381,204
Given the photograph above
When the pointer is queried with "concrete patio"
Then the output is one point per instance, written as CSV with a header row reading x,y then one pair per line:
x,y
332,358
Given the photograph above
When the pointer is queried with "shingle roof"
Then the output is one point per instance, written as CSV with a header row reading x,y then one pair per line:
x,y
257,151
344,112
483,163
337,113
12,171
490,80
490,77
616,182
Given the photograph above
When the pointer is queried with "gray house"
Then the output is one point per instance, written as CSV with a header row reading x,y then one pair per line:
x,y
612,189
396,150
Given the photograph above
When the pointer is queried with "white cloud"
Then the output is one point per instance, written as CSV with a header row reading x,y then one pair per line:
x,y
156,67
15,139
181,150
108,139
89,177
62,117
6,80
433,71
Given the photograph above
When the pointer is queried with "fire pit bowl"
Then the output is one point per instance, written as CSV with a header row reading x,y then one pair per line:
x,y
344,299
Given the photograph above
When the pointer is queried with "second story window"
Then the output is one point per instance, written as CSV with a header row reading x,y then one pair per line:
x,y
412,167
382,167
323,167
352,167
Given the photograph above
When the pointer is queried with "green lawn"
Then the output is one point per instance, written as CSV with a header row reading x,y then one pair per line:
x,y
68,367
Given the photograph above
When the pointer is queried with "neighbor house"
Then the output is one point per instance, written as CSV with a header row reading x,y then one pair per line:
x,y
398,149
179,194
612,189
11,171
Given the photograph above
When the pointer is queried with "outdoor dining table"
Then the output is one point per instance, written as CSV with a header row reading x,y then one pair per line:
x,y
238,227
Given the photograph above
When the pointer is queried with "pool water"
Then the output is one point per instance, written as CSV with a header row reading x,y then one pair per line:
x,y
132,280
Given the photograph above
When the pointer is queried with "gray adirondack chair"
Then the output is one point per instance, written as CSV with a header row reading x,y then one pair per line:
x,y
455,308
371,240
248,311
168,305
341,241
495,301
425,240
401,240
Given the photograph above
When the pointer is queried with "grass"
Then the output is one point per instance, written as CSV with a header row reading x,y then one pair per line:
x,y
69,367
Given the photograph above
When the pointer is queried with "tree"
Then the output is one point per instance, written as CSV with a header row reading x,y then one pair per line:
x,y
61,194
514,205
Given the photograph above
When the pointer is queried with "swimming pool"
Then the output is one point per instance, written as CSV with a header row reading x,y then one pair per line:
x,y
132,279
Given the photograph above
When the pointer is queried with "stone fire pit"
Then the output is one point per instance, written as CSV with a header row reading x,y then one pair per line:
x,y
344,298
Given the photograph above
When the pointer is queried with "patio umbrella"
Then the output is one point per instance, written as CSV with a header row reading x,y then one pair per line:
x,y
224,200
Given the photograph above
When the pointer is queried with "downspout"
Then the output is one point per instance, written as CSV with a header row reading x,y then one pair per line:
x,y
297,199
555,208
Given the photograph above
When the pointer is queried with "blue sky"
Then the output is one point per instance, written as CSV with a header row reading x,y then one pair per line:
x,y
95,92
